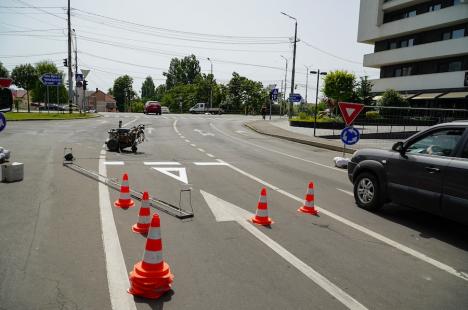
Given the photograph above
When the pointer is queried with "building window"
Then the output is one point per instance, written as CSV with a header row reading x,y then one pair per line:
x,y
456,2
411,13
411,42
393,45
406,71
397,72
447,35
435,7
455,66
458,33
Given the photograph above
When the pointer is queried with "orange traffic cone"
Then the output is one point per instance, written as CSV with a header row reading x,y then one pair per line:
x,y
151,277
308,206
261,217
144,216
125,201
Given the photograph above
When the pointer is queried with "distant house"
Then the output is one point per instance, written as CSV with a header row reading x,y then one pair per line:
x,y
102,102
21,96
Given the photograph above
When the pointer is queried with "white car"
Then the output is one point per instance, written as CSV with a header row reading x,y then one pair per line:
x,y
165,110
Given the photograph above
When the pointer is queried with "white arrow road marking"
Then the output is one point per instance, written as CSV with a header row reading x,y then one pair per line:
x,y
117,276
224,211
182,173
203,133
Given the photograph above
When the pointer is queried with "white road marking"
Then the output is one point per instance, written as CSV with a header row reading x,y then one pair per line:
x,y
161,163
201,150
203,133
187,140
114,163
182,136
117,276
126,124
150,130
194,145
182,173
346,192
210,164
362,229
164,117
277,152
174,125
210,155
225,211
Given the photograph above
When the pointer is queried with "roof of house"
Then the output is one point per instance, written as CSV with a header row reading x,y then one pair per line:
x,y
107,98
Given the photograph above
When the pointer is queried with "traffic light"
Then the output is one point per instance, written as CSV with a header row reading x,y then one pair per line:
x,y
85,83
65,62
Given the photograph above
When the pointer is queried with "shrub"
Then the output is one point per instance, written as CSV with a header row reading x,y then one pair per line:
x,y
372,115
137,106
303,116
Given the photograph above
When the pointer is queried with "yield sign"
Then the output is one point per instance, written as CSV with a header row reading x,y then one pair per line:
x,y
350,111
180,176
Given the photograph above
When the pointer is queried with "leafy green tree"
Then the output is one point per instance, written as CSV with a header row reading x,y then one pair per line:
x,y
182,71
363,91
391,98
159,92
3,71
187,94
25,76
147,89
39,92
339,86
244,94
123,92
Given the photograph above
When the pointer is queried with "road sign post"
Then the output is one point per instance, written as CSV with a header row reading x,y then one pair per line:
x,y
49,79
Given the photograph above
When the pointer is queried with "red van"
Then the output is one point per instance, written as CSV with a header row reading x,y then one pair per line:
x,y
152,107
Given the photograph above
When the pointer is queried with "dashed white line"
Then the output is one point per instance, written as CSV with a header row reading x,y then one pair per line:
x,y
346,192
201,150
187,140
126,124
194,145
161,163
210,155
114,163
216,163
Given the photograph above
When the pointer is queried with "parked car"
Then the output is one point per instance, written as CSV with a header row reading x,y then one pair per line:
x,y
428,171
165,110
152,107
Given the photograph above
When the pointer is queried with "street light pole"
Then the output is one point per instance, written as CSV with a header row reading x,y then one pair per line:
x,y
211,84
294,62
316,96
76,68
285,78
307,82
70,73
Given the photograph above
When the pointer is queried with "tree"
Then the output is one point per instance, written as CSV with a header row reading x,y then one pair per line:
x,y
245,94
363,91
39,92
182,71
25,76
185,94
339,85
123,91
3,71
147,89
159,92
391,98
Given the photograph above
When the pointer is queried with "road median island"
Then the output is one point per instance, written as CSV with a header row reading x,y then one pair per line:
x,y
24,116
269,130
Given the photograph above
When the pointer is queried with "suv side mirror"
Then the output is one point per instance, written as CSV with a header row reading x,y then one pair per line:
x,y
398,147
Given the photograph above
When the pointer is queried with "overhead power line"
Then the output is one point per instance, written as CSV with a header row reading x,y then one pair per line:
x,y
31,55
330,54
40,9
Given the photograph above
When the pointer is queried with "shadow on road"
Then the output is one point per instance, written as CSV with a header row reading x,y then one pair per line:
x,y
155,304
429,226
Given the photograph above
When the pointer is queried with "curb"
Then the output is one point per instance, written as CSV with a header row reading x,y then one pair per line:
x,y
307,142
50,119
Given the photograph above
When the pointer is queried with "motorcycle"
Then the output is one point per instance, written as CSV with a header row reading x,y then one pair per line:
x,y
121,138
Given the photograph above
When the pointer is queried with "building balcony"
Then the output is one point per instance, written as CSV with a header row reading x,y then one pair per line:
x,y
371,31
416,83
399,4
434,50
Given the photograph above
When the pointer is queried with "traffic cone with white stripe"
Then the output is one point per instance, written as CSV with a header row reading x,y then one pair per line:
x,y
144,216
125,201
261,216
151,277
308,206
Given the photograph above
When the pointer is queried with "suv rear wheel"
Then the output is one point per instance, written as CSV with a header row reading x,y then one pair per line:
x,y
367,192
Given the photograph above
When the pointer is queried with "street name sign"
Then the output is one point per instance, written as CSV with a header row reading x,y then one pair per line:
x,y
49,79
350,135
295,97
350,111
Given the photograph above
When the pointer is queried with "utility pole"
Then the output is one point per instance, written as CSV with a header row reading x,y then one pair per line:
x,y
285,79
294,62
76,69
70,73
307,82
211,84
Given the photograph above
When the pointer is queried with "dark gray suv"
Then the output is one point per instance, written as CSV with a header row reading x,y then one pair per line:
x,y
428,171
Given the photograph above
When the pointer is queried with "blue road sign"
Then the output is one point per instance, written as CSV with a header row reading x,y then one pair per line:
x,y
49,79
2,121
274,94
295,97
350,135
79,77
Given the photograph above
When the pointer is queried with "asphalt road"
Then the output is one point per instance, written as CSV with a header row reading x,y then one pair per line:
x,y
64,247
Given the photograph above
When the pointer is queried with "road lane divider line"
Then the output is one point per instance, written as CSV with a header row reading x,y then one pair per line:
x,y
210,164
194,145
126,124
161,163
187,140
174,125
114,163
362,229
201,150
210,155
182,137
346,192
117,276
277,152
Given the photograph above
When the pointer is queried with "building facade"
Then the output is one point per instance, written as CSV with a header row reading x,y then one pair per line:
x,y
420,47
101,102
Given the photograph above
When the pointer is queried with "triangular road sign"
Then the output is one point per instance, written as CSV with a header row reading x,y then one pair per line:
x,y
180,176
350,111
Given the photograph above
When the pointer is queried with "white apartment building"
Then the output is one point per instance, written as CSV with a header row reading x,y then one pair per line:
x,y
420,47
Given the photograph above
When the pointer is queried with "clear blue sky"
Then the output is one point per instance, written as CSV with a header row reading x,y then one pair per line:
x,y
329,25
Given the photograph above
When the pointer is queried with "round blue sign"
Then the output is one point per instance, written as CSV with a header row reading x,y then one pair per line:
x,y
350,135
2,121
